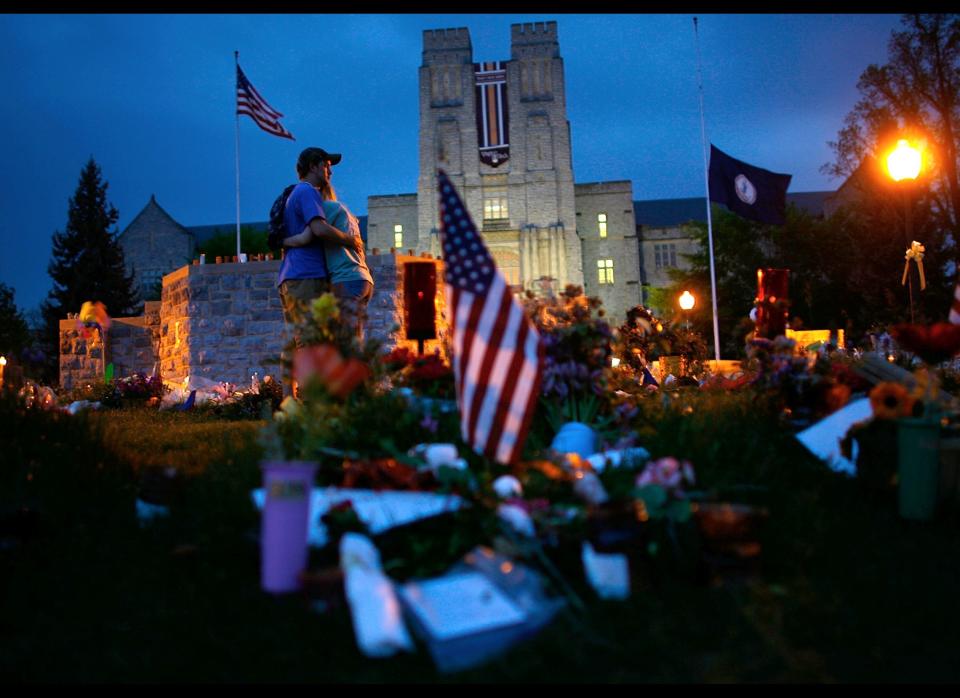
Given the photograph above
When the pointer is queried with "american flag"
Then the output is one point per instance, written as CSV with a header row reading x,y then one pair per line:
x,y
497,355
250,102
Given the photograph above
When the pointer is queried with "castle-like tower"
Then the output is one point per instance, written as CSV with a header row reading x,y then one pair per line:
x,y
522,194
499,129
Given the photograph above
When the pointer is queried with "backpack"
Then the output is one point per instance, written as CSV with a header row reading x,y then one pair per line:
x,y
277,227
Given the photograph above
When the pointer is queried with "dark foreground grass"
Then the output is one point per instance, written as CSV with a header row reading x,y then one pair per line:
x,y
848,592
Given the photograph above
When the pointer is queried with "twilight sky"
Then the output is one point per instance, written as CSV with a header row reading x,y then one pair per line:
x,y
152,99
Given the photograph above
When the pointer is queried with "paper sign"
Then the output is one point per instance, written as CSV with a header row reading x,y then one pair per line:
x,y
460,604
379,510
823,438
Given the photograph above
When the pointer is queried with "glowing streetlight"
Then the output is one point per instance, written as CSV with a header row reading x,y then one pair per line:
x,y
687,301
3,363
903,162
903,165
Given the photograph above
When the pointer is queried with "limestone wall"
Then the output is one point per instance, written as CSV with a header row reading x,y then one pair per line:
x,y
383,213
130,344
224,322
620,246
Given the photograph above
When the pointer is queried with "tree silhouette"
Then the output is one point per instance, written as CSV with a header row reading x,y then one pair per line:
x,y
87,261
917,93
14,334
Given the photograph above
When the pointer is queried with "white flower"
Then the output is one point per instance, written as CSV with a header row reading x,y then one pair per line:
x,y
518,519
588,487
507,486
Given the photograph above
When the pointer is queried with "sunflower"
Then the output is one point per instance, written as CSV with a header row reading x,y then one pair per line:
x,y
891,401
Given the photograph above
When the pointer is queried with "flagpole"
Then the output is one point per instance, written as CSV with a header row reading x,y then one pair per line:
x,y
236,60
706,179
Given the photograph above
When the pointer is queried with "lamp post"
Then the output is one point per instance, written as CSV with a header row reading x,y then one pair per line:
x,y
687,301
903,165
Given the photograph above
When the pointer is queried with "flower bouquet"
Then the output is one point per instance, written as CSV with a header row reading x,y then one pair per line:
x,y
575,390
426,375
328,358
643,339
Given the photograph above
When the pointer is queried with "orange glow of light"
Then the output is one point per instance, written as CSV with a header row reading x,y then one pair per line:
x,y
687,300
904,161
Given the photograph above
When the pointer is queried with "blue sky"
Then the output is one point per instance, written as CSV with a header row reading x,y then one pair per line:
x,y
152,99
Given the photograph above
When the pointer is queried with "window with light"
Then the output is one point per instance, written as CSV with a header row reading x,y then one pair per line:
x,y
398,236
495,204
605,270
602,224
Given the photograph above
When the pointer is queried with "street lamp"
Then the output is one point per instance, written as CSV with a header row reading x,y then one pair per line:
x,y
903,165
903,162
687,301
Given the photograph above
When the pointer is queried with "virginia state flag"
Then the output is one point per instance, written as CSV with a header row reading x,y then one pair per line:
x,y
751,192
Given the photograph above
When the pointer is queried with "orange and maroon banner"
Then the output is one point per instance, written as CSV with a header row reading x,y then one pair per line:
x,y
493,125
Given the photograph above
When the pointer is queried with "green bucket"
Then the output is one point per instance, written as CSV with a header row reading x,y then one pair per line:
x,y
919,467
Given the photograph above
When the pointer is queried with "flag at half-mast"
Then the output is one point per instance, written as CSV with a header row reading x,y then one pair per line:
x,y
752,192
250,102
497,354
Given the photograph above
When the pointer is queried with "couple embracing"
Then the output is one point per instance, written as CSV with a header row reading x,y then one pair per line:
x,y
326,255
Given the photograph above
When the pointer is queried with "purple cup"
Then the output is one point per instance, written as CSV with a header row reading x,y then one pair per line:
x,y
285,522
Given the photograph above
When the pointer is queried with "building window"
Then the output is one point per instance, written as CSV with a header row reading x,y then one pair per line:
x,y
602,224
605,270
495,204
665,255
398,236
151,284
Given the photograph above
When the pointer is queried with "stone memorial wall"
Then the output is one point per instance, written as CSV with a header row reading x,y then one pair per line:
x,y
224,322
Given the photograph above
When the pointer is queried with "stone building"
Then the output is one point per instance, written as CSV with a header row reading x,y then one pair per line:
x,y
665,234
500,131
154,244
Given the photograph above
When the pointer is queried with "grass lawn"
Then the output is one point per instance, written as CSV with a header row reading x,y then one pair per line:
x,y
848,592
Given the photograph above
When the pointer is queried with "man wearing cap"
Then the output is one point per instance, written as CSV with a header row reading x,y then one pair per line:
x,y
303,271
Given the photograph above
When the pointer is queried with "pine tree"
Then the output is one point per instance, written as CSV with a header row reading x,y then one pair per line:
x,y
14,333
87,261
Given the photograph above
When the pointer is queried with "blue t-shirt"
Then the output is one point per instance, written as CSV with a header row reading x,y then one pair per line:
x,y
307,262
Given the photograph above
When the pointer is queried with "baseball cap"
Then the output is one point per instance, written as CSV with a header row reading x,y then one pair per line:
x,y
334,158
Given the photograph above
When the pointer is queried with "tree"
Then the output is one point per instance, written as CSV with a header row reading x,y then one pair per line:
x,y
834,282
917,93
14,333
224,243
87,261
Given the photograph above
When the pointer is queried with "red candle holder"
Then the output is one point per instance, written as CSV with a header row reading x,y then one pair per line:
x,y
773,302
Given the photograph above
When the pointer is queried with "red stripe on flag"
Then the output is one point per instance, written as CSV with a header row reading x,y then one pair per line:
x,y
505,402
491,349
250,103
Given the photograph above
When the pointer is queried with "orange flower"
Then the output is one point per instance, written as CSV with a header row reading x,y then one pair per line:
x,y
891,401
